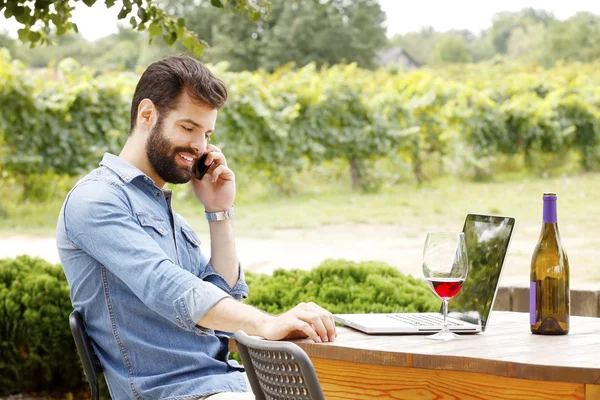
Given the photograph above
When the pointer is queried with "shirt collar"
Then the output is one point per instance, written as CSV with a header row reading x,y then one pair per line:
x,y
126,171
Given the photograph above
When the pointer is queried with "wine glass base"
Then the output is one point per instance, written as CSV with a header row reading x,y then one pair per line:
x,y
445,336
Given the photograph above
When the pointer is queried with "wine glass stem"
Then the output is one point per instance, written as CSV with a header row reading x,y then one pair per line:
x,y
445,301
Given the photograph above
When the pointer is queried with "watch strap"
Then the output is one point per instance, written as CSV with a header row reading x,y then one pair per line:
x,y
220,216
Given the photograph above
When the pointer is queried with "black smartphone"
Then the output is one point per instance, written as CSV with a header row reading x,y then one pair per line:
x,y
199,169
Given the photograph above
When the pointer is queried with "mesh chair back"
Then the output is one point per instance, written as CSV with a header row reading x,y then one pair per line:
x,y
278,370
91,363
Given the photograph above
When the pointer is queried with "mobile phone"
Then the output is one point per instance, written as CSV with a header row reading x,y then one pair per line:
x,y
199,169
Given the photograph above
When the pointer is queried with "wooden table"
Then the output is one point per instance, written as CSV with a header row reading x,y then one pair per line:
x,y
505,362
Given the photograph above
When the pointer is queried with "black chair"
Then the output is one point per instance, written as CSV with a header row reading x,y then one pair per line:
x,y
89,359
278,370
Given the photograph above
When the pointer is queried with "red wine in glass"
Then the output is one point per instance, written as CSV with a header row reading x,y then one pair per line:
x,y
445,268
446,288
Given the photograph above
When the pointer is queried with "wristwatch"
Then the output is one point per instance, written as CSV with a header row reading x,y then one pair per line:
x,y
220,216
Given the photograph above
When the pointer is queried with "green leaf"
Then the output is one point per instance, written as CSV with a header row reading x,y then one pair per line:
x,y
133,22
110,3
55,18
75,27
180,32
180,22
189,42
254,15
23,17
198,50
17,10
216,3
142,14
34,36
155,29
171,38
89,3
23,34
123,13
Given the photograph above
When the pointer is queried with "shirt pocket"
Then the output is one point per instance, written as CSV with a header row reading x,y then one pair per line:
x,y
192,249
155,226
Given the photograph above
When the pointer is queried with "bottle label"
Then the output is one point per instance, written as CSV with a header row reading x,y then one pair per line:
x,y
532,302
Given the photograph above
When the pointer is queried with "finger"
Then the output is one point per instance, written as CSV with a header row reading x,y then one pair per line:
x,y
221,172
212,147
316,321
308,331
327,319
216,157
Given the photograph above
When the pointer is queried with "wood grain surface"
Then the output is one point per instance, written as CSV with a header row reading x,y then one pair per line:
x,y
592,392
343,380
507,349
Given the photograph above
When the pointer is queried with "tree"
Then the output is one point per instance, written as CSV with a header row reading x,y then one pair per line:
x,y
298,31
575,39
482,48
150,17
505,22
421,45
7,42
326,33
452,49
526,43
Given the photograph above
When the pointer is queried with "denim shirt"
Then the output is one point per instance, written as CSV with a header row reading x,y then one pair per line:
x,y
139,279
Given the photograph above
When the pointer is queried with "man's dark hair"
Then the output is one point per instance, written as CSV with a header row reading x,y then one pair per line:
x,y
165,80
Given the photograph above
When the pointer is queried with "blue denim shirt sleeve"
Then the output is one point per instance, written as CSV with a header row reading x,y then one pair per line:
x,y
98,220
238,292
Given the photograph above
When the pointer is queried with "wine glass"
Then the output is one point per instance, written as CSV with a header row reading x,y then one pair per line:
x,y
445,267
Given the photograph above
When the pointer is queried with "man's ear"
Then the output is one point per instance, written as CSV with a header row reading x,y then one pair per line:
x,y
147,115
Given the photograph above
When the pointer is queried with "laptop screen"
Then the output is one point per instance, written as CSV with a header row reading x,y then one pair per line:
x,y
487,239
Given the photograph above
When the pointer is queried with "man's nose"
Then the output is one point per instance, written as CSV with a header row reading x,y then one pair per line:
x,y
198,147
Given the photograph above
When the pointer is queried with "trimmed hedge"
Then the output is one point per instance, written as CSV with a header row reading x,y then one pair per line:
x,y
342,286
37,352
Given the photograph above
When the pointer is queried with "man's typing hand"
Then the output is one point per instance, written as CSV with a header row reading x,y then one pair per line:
x,y
305,320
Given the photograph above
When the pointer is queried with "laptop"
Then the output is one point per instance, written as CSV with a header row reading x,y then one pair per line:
x,y
487,238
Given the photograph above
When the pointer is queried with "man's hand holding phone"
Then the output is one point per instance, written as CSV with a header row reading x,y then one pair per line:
x,y
216,187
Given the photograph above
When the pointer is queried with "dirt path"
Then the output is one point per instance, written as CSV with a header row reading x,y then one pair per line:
x,y
397,246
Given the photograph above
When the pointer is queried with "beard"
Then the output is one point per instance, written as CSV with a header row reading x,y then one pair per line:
x,y
162,156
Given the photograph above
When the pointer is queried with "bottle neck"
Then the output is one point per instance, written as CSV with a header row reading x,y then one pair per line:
x,y
549,215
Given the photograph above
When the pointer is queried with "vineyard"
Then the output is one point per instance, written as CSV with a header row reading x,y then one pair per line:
x,y
61,120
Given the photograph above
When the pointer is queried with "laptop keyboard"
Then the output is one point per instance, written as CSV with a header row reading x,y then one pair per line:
x,y
422,319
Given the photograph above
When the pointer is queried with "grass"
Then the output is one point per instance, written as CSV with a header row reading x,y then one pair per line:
x,y
404,210
442,202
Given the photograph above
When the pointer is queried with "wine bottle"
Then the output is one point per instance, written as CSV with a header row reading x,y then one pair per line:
x,y
549,294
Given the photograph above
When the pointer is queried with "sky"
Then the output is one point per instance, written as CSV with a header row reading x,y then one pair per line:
x,y
402,16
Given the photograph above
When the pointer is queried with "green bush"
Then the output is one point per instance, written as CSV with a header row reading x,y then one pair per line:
x,y
64,118
342,286
37,352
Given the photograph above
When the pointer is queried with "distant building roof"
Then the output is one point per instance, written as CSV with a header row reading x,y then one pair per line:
x,y
397,55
